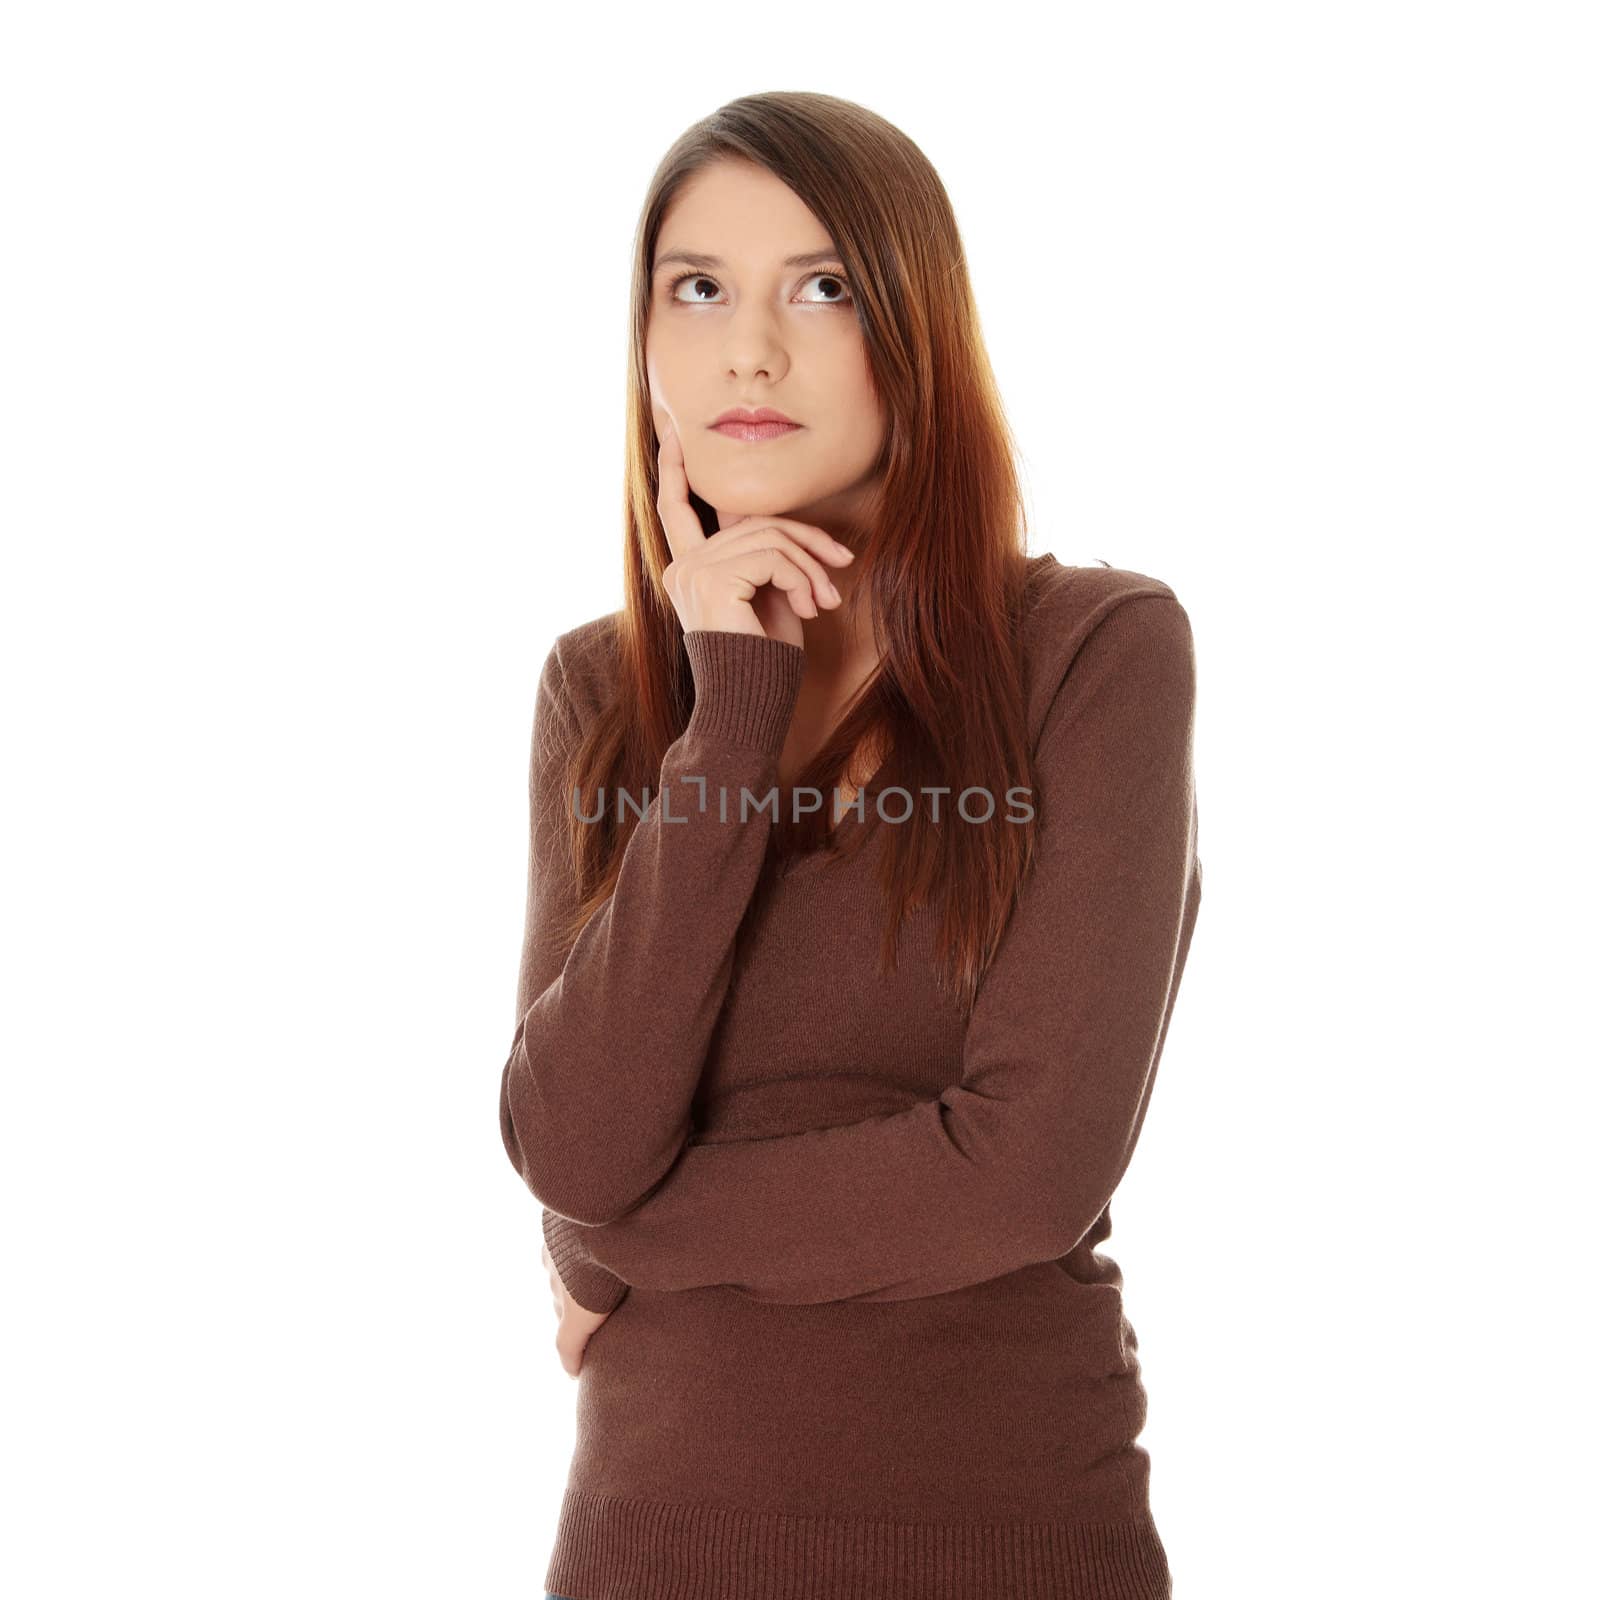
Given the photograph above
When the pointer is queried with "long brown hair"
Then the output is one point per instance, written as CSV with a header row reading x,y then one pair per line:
x,y
943,568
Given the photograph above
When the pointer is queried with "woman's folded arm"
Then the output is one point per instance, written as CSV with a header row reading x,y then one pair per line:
x,y
1012,1165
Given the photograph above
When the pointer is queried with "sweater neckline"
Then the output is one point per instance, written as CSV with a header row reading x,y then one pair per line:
x,y
855,818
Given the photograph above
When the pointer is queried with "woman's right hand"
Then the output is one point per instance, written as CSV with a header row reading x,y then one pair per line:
x,y
713,582
575,1324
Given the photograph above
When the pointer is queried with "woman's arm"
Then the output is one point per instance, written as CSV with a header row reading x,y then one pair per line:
x,y
596,1093
551,897
1014,1164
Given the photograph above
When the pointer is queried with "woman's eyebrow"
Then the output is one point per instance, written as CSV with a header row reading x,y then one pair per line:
x,y
690,258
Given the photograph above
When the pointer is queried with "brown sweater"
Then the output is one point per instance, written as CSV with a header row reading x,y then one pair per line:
x,y
861,1342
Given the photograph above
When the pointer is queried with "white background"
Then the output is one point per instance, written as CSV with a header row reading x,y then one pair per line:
x,y
314,329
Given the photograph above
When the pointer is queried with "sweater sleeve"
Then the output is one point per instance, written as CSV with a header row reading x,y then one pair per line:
x,y
596,1093
1012,1165
552,898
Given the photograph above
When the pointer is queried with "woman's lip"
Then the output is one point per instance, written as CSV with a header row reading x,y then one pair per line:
x,y
754,432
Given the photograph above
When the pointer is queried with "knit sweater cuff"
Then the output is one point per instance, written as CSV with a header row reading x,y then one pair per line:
x,y
584,1279
745,686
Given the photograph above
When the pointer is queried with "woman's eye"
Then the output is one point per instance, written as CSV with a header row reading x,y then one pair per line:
x,y
839,288
697,279
836,291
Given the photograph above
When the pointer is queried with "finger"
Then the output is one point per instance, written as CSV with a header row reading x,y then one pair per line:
x,y
806,533
765,534
678,518
569,1362
747,569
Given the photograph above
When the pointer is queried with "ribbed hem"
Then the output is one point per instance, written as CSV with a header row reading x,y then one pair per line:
x,y
590,1284
610,1549
745,686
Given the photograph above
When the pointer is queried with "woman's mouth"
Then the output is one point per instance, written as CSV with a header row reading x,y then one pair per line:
x,y
754,432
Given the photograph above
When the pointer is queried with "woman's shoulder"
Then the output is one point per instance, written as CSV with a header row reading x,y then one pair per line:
x,y
1059,593
582,664
1065,605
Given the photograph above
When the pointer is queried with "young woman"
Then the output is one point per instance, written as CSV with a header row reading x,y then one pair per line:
x,y
826,1102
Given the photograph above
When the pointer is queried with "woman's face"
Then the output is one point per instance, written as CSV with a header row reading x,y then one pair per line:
x,y
751,329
